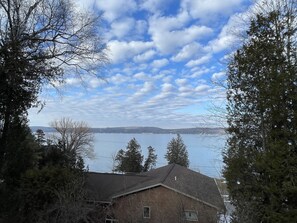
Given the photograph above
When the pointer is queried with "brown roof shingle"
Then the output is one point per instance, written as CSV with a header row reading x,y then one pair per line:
x,y
104,186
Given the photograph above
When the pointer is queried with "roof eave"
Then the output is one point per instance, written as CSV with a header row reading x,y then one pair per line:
x,y
170,188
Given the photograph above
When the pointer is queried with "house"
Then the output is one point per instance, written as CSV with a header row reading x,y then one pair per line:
x,y
167,194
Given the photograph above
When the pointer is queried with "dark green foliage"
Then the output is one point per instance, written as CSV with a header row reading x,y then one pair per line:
x,y
177,152
23,152
40,137
260,158
52,194
22,155
131,159
38,39
151,159
41,183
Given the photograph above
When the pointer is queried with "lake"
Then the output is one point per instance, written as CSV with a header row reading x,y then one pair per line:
x,y
205,151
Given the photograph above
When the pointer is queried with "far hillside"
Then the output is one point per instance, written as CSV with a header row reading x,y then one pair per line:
x,y
153,130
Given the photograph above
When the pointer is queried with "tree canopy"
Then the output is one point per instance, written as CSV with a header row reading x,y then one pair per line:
x,y
74,136
177,152
261,155
130,160
40,42
151,159
39,39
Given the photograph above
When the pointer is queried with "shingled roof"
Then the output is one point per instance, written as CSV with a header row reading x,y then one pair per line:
x,y
105,187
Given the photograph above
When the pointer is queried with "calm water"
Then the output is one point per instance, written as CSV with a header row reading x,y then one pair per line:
x,y
204,150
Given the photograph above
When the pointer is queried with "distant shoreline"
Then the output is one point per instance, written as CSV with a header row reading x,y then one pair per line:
x,y
139,130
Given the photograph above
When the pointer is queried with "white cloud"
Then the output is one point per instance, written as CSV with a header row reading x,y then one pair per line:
x,y
231,34
169,22
222,42
167,39
121,51
188,51
181,81
199,72
166,92
140,76
202,88
147,88
144,36
217,76
96,82
170,33
118,79
144,56
167,87
199,61
207,10
114,9
160,63
121,28
166,79
73,81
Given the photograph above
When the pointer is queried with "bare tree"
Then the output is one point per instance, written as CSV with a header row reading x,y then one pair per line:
x,y
39,40
74,136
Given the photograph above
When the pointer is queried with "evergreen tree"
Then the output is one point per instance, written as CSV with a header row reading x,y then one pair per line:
x,y
40,182
21,156
151,159
131,159
177,152
40,137
261,168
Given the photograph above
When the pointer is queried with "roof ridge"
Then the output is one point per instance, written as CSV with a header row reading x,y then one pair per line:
x,y
173,165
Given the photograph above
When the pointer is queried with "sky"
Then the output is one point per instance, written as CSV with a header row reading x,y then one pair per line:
x,y
167,69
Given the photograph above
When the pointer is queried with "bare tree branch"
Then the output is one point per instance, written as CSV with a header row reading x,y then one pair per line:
x,y
74,136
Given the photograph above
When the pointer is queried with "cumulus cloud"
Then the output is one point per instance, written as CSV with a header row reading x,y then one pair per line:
x,y
169,22
232,33
160,63
207,10
168,40
121,51
181,81
188,51
118,79
114,9
140,76
96,82
121,28
144,56
170,33
199,61
202,88
147,88
218,76
199,71
73,81
167,87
